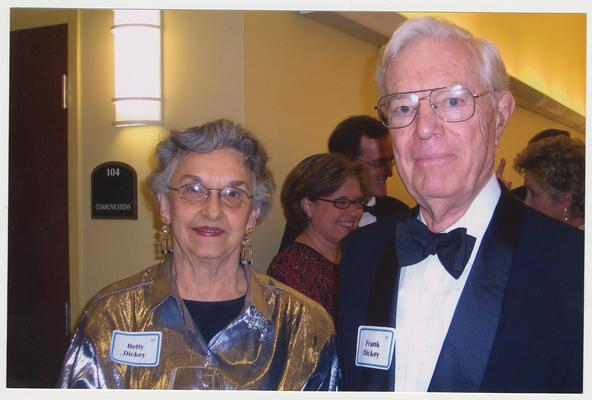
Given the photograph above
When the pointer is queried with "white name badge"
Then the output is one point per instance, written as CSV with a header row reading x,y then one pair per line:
x,y
140,349
375,347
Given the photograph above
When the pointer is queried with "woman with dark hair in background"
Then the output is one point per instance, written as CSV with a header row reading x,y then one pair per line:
x,y
324,198
554,178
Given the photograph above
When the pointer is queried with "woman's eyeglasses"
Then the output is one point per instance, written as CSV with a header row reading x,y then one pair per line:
x,y
343,203
194,193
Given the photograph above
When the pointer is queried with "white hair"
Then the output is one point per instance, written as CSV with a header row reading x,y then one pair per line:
x,y
487,59
215,135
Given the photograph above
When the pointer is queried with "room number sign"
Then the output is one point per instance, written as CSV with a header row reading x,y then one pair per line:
x,y
114,191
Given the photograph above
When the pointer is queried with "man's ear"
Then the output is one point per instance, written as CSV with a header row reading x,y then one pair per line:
x,y
163,203
505,107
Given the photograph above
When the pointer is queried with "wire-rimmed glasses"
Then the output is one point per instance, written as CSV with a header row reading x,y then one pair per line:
x,y
342,203
453,103
230,196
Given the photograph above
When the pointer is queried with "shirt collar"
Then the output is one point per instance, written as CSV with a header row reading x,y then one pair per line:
x,y
255,296
164,286
477,217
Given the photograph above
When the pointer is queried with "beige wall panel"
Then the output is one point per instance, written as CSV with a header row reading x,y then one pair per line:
x,y
203,67
202,80
301,79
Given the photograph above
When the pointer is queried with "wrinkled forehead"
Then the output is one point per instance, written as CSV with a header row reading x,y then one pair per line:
x,y
427,63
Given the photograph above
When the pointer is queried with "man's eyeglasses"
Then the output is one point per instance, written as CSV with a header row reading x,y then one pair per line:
x,y
194,193
451,104
343,203
379,164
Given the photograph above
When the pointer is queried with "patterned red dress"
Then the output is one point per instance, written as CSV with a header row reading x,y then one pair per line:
x,y
304,269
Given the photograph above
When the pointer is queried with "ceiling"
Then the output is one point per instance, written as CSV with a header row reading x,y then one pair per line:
x,y
376,28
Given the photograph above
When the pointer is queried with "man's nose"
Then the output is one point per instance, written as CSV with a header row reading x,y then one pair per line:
x,y
427,122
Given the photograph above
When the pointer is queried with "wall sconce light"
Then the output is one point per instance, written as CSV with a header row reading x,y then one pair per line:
x,y
137,67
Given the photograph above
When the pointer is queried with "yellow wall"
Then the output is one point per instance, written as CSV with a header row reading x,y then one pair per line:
x,y
545,51
287,78
301,79
202,80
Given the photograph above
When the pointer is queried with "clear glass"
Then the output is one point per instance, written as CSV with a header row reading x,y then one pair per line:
x,y
343,203
194,193
451,103
196,378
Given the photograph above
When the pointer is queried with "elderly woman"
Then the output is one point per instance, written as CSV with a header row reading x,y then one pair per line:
x,y
204,313
554,178
324,198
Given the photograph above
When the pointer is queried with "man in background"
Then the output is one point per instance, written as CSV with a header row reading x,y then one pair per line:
x,y
364,138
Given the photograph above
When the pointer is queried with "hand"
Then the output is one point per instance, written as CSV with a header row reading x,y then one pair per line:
x,y
500,173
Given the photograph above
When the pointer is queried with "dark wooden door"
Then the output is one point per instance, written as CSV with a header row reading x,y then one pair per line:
x,y
38,264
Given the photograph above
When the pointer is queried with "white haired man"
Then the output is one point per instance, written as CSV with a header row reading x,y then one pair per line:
x,y
471,291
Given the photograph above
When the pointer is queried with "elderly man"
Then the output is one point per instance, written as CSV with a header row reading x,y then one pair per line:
x,y
364,138
472,291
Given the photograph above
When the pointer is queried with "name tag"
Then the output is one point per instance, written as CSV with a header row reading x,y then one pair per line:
x,y
375,347
140,349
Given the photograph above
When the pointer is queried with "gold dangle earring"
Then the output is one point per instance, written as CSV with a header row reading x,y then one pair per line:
x,y
246,250
165,239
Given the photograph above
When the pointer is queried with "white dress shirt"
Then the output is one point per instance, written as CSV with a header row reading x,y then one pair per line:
x,y
368,218
427,298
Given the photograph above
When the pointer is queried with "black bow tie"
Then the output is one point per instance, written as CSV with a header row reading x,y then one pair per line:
x,y
370,209
414,242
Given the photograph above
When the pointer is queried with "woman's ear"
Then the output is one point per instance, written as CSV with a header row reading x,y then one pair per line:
x,y
306,205
163,203
252,221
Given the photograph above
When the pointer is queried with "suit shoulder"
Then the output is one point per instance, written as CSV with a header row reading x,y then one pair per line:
x,y
394,202
545,229
375,231
551,248
390,206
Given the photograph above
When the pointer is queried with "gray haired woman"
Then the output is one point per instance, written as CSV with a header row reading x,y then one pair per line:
x,y
554,172
203,318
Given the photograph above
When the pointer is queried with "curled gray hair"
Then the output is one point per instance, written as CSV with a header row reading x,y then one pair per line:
x,y
216,135
487,59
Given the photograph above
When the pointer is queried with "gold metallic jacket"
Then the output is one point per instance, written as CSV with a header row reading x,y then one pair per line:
x,y
280,341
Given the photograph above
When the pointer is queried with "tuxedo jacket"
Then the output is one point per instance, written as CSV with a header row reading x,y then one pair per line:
x,y
385,207
518,325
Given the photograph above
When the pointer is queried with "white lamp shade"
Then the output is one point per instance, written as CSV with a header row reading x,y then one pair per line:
x,y
137,67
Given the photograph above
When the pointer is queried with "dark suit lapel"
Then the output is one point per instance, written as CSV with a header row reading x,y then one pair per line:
x,y
382,308
465,352
381,209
